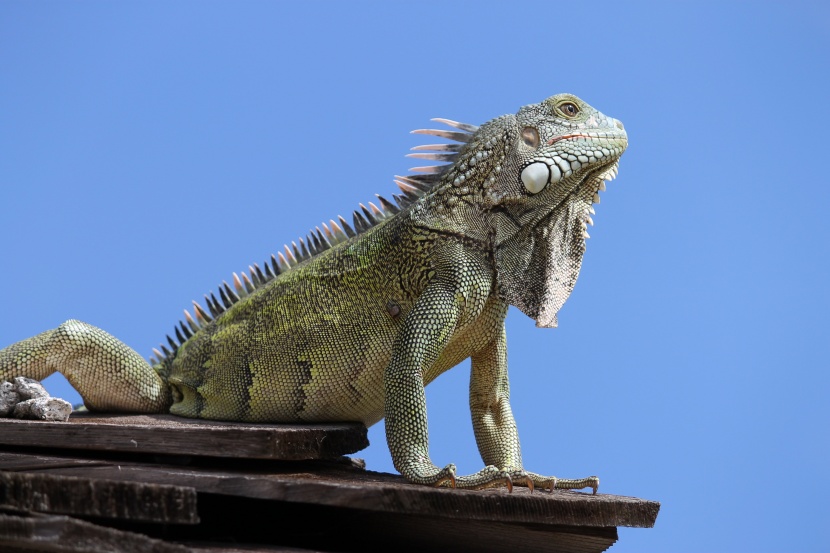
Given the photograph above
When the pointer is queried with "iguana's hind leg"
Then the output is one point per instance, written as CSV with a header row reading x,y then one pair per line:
x,y
108,374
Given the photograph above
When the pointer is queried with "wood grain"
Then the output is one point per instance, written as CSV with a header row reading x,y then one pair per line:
x,y
337,485
166,434
61,534
149,481
138,501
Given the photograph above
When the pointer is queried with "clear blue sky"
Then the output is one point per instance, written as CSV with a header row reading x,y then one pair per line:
x,y
148,150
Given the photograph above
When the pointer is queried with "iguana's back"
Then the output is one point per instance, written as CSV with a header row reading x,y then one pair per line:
x,y
312,344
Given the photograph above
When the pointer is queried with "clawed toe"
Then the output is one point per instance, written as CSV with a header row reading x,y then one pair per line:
x,y
488,477
552,482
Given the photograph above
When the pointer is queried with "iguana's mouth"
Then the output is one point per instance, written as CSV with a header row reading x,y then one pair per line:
x,y
556,139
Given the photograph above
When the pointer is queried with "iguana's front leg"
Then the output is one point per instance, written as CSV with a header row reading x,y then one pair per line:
x,y
108,374
426,332
493,422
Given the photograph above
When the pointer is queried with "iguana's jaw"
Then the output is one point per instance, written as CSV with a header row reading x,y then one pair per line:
x,y
587,194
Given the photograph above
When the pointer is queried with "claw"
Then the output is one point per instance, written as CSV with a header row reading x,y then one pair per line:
x,y
524,478
509,484
448,480
553,484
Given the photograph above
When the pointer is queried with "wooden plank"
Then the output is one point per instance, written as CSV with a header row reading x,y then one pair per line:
x,y
61,534
332,528
271,527
166,434
202,547
337,485
423,533
136,501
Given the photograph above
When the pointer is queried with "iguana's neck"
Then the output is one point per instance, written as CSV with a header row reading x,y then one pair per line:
x,y
459,203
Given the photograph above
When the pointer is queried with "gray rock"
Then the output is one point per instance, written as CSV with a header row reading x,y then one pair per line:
x,y
8,398
28,388
44,409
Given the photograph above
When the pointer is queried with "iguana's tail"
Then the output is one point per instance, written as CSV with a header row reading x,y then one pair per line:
x,y
108,374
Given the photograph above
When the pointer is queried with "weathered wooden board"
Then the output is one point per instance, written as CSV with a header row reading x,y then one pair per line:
x,y
71,495
422,533
231,480
61,534
341,529
337,485
199,547
166,434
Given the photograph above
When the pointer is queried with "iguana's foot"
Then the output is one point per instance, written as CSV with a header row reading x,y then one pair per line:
x,y
488,477
427,474
552,482
493,477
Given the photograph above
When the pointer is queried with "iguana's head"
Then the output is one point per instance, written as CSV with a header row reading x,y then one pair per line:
x,y
554,159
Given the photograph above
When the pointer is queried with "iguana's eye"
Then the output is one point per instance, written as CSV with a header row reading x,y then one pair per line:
x,y
530,136
568,109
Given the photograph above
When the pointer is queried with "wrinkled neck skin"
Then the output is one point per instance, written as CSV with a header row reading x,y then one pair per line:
x,y
530,199
538,262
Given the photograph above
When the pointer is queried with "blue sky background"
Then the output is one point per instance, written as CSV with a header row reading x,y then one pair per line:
x,y
148,150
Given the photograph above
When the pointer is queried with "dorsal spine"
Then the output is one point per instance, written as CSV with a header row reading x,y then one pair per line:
x,y
412,187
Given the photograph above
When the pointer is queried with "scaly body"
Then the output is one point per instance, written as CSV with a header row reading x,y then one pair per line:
x,y
353,323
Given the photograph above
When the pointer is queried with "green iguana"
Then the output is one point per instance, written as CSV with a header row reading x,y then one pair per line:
x,y
351,323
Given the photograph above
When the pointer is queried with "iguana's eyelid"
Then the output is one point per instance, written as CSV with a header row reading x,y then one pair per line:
x,y
568,109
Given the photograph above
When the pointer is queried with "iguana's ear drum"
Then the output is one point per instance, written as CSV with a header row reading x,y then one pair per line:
x,y
537,268
535,177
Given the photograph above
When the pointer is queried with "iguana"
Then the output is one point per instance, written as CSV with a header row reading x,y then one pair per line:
x,y
351,322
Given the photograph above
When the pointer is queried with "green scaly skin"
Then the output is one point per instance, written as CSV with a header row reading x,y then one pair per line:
x,y
355,332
